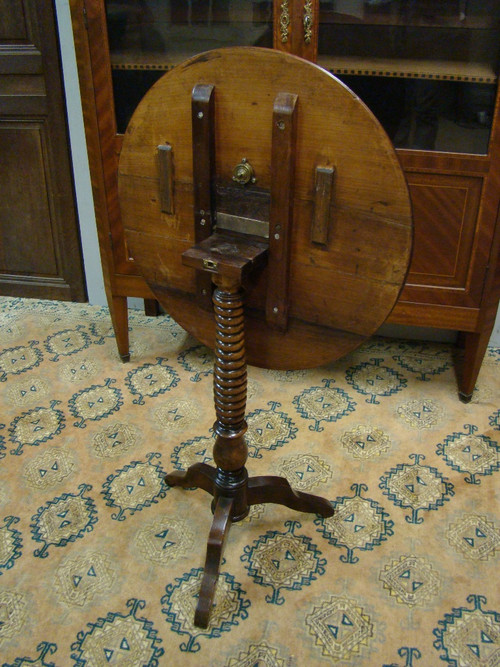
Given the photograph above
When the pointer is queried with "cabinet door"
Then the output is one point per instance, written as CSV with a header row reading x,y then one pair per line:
x,y
39,242
148,38
428,70
145,40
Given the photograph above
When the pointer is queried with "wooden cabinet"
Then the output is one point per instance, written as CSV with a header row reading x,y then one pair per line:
x,y
39,242
427,70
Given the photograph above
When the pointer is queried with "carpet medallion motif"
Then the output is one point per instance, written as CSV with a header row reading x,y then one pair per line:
x,y
421,413
134,487
63,520
425,363
197,450
81,370
28,390
66,342
374,380
119,639
198,361
49,468
411,580
283,561
305,472
16,360
416,487
470,636
258,654
165,539
13,612
230,607
101,561
80,579
474,454
474,537
365,442
176,415
358,523
10,543
326,403
151,380
95,402
36,426
341,628
115,440
268,429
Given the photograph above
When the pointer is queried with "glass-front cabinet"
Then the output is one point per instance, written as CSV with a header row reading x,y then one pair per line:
x,y
428,69
149,37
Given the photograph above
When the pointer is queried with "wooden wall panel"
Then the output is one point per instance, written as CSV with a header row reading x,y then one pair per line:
x,y
25,220
39,238
12,20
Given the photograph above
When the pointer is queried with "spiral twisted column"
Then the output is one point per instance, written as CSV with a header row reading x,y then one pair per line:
x,y
230,377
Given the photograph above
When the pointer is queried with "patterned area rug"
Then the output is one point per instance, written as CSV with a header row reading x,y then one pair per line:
x,y
100,561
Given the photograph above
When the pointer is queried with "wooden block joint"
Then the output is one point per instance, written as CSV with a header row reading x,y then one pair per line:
x,y
166,178
323,199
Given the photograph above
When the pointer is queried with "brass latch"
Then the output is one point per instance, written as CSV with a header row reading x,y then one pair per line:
x,y
243,173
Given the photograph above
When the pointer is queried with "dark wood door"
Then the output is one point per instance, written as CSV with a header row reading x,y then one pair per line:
x,y
40,252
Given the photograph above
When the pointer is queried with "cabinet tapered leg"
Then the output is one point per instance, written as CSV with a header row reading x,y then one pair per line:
x,y
119,317
475,345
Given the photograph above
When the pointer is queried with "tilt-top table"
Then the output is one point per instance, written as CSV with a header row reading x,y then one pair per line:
x,y
268,213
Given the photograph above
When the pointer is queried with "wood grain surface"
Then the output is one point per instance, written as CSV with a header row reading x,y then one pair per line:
x,y
340,292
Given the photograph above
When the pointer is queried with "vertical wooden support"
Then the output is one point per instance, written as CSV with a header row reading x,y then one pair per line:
x,y
203,122
281,210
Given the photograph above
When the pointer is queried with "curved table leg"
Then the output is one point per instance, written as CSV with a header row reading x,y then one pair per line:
x,y
271,489
199,474
216,539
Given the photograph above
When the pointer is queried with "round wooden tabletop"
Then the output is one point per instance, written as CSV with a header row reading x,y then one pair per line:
x,y
340,290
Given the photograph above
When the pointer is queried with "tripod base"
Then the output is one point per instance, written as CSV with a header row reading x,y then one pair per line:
x,y
232,503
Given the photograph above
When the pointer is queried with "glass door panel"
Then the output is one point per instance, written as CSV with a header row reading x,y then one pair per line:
x,y
427,68
149,37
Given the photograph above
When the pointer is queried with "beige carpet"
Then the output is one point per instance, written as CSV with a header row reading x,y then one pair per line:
x,y
100,561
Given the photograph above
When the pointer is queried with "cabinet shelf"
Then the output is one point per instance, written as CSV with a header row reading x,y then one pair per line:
x,y
146,61
454,21
441,70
